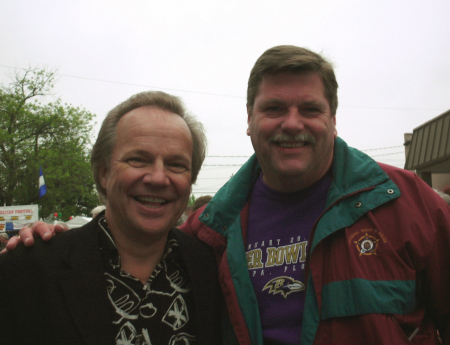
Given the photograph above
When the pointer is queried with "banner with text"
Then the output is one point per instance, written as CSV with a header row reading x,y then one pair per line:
x,y
18,215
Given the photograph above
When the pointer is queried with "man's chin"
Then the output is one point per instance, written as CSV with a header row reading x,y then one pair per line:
x,y
147,224
151,230
292,170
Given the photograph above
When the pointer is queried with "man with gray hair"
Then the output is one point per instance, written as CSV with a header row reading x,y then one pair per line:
x,y
127,277
317,243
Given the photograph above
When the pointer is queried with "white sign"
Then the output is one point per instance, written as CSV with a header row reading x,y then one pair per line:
x,y
18,215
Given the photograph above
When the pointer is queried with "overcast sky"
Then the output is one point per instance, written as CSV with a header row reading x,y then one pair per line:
x,y
392,61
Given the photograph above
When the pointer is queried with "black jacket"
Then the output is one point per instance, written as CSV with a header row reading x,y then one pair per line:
x,y
55,292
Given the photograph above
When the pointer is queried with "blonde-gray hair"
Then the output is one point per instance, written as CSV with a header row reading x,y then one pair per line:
x,y
102,150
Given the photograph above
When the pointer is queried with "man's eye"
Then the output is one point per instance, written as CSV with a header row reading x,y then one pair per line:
x,y
178,168
311,111
136,162
273,110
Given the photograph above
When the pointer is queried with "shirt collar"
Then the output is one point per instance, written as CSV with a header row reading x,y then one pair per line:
x,y
110,254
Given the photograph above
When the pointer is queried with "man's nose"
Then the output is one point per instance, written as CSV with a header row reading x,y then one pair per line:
x,y
156,175
293,121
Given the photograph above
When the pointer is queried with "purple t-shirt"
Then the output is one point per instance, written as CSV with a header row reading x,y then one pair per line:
x,y
277,240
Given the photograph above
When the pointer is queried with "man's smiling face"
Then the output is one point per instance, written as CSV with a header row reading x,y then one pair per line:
x,y
148,181
292,130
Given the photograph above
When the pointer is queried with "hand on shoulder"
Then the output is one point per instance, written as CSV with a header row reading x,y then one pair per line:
x,y
27,234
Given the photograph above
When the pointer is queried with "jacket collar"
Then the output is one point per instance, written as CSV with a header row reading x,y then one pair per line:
x,y
229,201
352,171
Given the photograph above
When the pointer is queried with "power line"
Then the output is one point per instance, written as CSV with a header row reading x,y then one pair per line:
x,y
387,154
138,85
380,148
389,108
217,94
383,148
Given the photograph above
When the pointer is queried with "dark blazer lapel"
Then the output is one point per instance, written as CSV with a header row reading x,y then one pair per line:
x,y
202,270
85,294
84,288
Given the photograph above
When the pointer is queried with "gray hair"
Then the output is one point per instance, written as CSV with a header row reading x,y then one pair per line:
x,y
102,150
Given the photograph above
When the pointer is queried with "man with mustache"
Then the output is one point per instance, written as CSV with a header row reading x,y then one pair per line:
x,y
317,243
127,277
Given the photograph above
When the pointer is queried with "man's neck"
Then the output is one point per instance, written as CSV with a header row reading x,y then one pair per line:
x,y
140,267
139,257
290,185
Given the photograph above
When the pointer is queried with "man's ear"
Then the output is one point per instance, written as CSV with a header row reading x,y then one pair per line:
x,y
102,172
248,119
335,129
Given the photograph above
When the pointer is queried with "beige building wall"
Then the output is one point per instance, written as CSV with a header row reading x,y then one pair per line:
x,y
440,181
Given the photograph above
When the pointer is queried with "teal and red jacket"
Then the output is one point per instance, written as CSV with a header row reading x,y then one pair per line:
x,y
378,263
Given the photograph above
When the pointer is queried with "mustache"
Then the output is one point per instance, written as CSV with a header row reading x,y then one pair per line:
x,y
306,137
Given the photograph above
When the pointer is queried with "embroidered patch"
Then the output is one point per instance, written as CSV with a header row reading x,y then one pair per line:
x,y
367,245
284,285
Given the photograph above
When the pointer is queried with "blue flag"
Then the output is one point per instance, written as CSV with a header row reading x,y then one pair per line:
x,y
42,186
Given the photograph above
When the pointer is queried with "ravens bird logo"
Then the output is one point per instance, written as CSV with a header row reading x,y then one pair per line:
x,y
284,285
